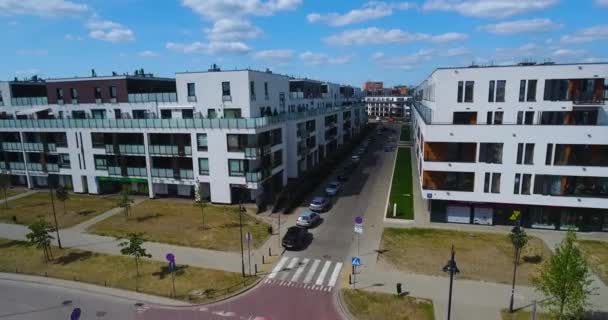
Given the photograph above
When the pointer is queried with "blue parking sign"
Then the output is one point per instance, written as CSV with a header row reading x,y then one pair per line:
x,y
356,261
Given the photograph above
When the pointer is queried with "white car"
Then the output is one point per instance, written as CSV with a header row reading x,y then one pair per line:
x,y
333,188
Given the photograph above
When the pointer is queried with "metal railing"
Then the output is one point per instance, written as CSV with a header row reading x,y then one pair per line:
x,y
166,150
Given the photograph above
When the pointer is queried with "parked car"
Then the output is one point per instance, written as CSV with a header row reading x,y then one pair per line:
x,y
319,204
308,219
295,238
355,159
343,176
333,188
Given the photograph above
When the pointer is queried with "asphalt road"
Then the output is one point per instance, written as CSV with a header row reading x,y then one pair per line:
x,y
28,301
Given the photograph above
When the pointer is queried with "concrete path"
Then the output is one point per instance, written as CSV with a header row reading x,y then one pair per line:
x,y
17,196
83,226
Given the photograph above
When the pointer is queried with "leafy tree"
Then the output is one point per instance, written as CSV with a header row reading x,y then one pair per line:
x,y
4,184
40,236
124,201
565,280
134,247
519,239
200,201
62,195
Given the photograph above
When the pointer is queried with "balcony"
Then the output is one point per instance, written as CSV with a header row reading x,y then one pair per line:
x,y
126,149
252,153
449,152
257,176
152,97
581,155
36,167
11,146
167,150
29,101
19,166
448,181
39,147
131,172
172,174
571,186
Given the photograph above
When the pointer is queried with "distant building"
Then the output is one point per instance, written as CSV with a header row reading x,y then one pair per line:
x,y
373,86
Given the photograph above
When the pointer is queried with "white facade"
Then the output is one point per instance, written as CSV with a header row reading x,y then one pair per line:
x,y
255,115
550,144
386,106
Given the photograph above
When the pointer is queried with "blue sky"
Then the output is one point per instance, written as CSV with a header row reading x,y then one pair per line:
x,y
337,40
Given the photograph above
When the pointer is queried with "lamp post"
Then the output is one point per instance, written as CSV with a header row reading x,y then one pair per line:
x,y
451,268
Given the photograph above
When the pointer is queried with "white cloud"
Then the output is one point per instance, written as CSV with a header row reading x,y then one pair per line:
x,y
71,37
602,3
406,61
27,72
454,52
110,31
279,55
231,30
591,34
148,54
209,48
316,59
560,53
369,11
488,8
220,9
375,35
520,26
46,8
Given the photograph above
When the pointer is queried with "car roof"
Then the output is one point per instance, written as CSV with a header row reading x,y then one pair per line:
x,y
318,198
307,213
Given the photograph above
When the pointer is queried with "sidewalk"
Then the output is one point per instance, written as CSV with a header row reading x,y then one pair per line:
x,y
17,196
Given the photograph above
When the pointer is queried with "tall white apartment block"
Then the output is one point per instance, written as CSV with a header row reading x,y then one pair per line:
x,y
527,141
239,134
387,106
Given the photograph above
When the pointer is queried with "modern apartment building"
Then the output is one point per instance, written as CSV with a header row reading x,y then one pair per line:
x,y
239,134
528,139
387,106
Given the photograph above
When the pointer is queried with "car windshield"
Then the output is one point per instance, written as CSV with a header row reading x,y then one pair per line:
x,y
317,201
304,217
333,185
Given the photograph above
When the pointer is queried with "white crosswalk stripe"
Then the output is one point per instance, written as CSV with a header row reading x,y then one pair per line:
x,y
298,273
312,270
278,267
292,263
335,274
323,273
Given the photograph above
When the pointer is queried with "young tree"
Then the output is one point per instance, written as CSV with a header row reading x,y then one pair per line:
x,y
124,201
62,195
40,236
133,247
565,280
519,239
200,201
4,184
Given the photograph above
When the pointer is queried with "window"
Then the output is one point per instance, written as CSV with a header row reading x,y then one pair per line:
x,y
529,117
460,90
529,154
520,117
498,117
495,182
522,90
203,166
139,114
236,142
201,142
59,94
101,163
531,91
517,183
79,115
64,160
500,91
252,90
187,114
97,93
465,118
74,93
266,90
98,113
526,182
232,113
113,92
192,90
520,153
165,114
225,88
549,154
237,168
211,114
491,92
469,86
489,117
490,152
277,158
486,182
97,140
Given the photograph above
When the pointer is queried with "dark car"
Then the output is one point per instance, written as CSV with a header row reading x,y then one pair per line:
x,y
343,176
295,238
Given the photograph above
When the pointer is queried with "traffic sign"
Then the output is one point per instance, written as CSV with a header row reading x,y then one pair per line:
x,y
171,266
170,257
249,236
358,220
75,314
356,261
359,228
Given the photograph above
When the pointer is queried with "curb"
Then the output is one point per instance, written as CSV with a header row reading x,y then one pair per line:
x,y
342,306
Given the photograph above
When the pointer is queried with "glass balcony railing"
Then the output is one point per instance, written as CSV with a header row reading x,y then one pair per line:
x,y
52,167
153,97
32,166
114,171
39,147
186,174
17,166
131,172
257,176
29,101
252,153
169,150
170,173
11,146
127,149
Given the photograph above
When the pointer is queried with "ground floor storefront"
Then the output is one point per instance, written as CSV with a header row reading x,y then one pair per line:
x,y
538,217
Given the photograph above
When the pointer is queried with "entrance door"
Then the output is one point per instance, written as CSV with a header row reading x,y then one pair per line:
x,y
458,214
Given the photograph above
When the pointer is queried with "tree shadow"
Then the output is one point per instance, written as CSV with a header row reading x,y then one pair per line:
x,y
148,217
165,272
10,244
73,257
535,259
85,212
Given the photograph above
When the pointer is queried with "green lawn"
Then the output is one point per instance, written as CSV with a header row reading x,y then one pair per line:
x,y
480,255
522,315
180,222
366,305
79,208
596,253
401,188
12,192
118,271
405,133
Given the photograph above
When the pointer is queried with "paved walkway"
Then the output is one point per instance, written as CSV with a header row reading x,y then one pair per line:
x,y
83,226
17,196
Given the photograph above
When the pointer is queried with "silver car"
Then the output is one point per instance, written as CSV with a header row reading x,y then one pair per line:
x,y
319,204
308,219
333,188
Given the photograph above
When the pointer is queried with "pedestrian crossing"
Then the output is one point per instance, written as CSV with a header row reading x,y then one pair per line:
x,y
311,274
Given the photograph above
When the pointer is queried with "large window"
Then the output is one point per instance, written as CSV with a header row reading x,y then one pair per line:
x,y
491,182
252,90
525,153
465,118
526,183
500,91
448,181
490,152
191,90
201,142
237,167
491,91
531,96
469,86
225,88
232,113
460,91
203,166
236,142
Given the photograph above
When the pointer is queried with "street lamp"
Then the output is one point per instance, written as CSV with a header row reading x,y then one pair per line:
x,y
451,268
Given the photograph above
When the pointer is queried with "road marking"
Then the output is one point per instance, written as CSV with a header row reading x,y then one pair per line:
x,y
292,263
298,273
277,268
335,274
312,270
323,273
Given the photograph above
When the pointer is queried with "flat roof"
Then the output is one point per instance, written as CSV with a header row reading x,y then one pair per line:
x,y
116,77
523,65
